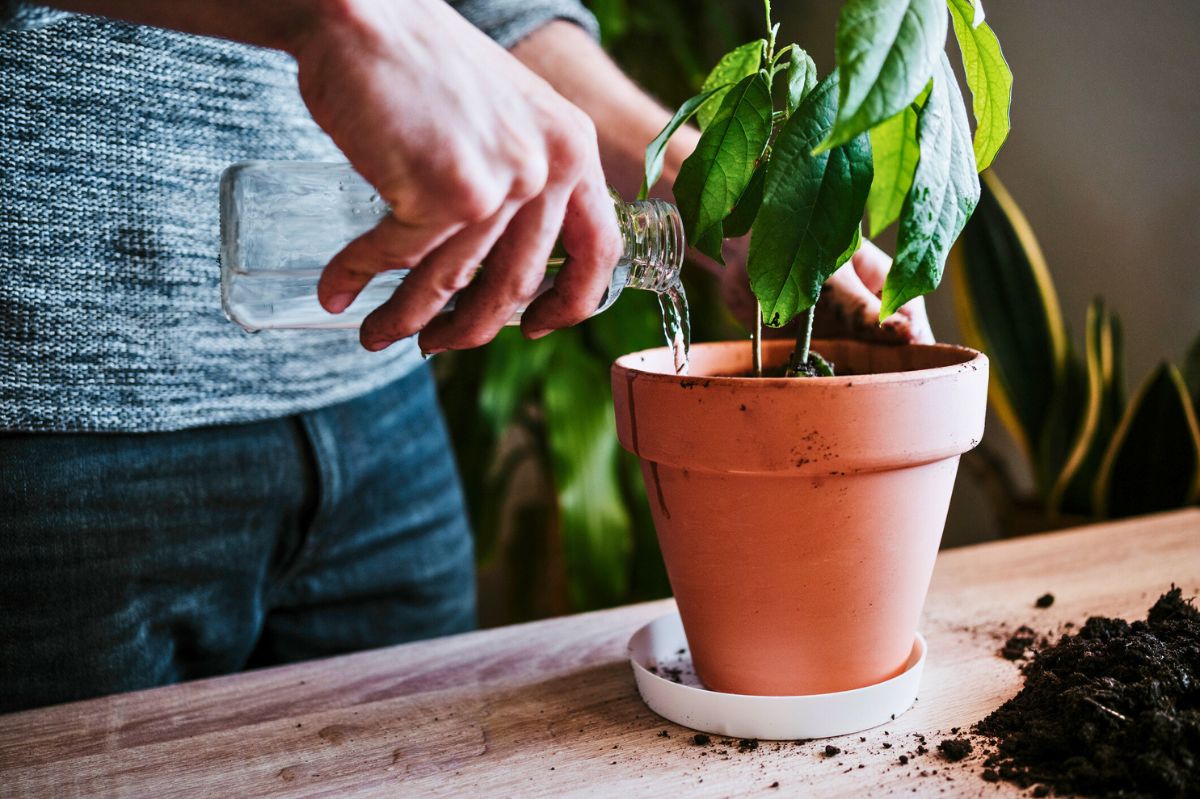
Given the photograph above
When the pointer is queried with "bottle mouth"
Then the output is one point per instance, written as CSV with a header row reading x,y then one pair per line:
x,y
656,245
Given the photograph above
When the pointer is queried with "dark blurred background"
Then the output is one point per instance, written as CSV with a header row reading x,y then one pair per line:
x,y
1102,160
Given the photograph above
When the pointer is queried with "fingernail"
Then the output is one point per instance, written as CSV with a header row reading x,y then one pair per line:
x,y
536,334
377,344
427,354
336,303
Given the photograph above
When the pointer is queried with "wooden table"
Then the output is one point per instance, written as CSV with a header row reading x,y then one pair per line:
x,y
550,709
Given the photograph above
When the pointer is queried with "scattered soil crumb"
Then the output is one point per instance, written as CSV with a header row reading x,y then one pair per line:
x,y
664,734
700,739
955,749
832,751
1044,601
1112,711
1018,642
747,744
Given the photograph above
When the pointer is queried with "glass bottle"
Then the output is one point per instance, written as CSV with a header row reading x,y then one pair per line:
x,y
282,222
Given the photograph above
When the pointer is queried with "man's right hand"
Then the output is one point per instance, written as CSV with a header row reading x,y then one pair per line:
x,y
481,161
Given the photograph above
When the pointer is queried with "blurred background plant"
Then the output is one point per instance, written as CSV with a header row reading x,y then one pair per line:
x,y
559,509
1092,454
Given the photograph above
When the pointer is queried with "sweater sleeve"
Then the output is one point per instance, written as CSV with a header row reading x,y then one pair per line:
x,y
510,21
19,15
506,21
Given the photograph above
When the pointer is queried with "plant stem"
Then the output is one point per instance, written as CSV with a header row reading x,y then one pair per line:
x,y
756,339
804,337
771,31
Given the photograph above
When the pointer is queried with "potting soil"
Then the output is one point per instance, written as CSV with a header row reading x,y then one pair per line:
x,y
1112,711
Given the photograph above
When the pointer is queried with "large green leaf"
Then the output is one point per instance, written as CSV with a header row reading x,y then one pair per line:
x,y
733,67
895,152
582,439
945,190
1007,307
656,150
887,50
1153,461
811,208
714,176
1072,492
742,216
988,76
801,78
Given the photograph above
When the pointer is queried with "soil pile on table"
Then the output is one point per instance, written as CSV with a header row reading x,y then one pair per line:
x,y
1111,711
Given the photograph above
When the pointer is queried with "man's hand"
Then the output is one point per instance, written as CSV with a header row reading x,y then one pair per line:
x,y
482,163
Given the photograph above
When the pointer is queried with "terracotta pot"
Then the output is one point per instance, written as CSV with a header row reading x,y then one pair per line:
x,y
800,518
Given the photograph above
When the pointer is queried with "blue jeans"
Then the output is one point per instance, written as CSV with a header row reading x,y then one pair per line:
x,y
134,560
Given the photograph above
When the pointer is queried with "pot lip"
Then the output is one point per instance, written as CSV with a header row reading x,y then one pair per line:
x,y
626,363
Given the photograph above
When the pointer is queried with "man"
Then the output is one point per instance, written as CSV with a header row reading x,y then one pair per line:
x,y
179,499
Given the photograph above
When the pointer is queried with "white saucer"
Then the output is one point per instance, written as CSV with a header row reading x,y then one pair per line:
x,y
668,684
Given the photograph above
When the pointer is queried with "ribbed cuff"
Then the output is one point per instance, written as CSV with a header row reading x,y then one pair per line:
x,y
17,15
510,21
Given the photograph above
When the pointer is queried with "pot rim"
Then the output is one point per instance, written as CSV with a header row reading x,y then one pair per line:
x,y
974,360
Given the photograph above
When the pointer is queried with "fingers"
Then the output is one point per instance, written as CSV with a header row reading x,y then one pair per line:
x,y
512,275
391,244
593,244
443,273
850,308
872,265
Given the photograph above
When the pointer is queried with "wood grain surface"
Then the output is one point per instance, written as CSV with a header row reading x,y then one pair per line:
x,y
550,708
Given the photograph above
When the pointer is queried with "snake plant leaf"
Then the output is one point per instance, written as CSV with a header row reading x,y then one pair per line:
x,y
1191,372
656,150
988,77
1007,307
742,216
801,78
944,192
1072,491
714,176
811,209
1153,461
1064,417
886,51
734,66
895,152
582,440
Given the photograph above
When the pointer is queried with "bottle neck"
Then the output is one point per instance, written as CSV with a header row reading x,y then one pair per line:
x,y
654,243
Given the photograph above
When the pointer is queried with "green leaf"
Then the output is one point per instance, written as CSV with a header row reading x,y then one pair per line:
x,y
582,440
977,15
1191,372
733,66
1072,492
944,193
801,78
848,253
1153,461
887,50
895,152
1007,307
811,209
988,76
714,176
1063,420
657,148
742,216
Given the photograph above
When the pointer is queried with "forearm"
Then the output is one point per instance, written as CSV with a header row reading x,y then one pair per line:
x,y
278,24
626,118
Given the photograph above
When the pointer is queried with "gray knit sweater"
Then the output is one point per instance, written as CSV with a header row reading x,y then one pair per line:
x,y
112,141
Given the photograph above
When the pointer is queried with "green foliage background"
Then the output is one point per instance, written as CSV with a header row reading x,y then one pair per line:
x,y
559,510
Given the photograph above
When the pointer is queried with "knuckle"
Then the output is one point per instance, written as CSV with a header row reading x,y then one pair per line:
x,y
529,178
446,282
